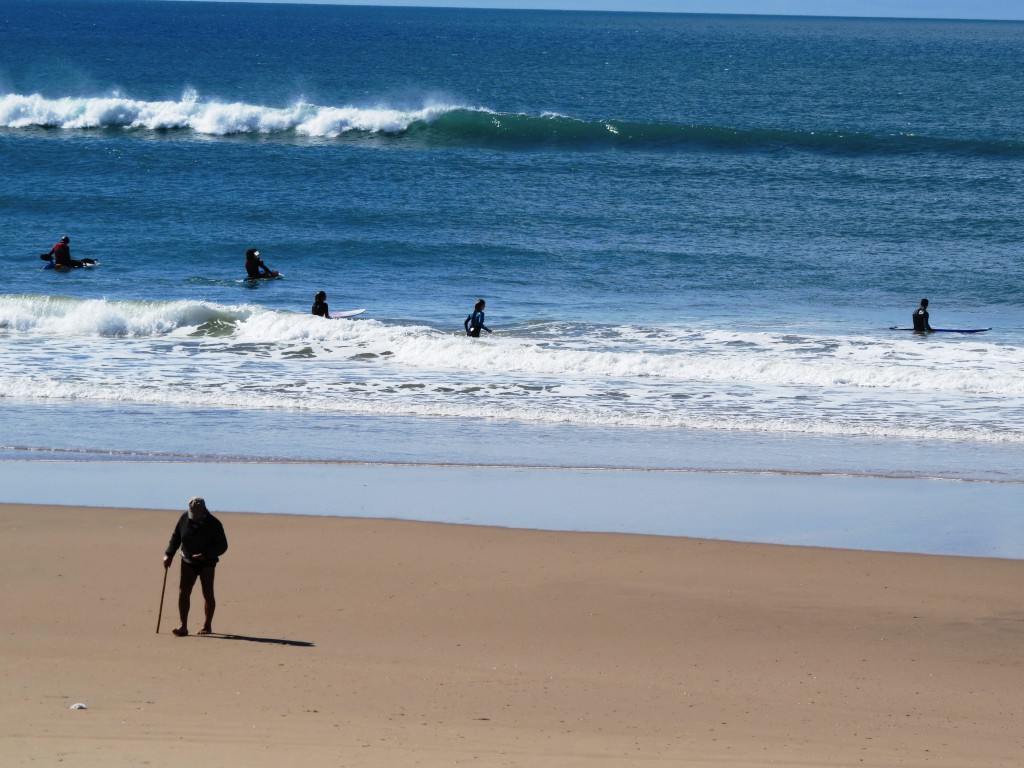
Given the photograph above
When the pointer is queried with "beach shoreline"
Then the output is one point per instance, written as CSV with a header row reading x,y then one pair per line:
x,y
900,514
372,642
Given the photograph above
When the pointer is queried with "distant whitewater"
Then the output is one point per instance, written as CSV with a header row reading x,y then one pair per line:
x,y
450,124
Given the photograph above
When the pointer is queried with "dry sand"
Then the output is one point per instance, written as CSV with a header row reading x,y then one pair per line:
x,y
383,643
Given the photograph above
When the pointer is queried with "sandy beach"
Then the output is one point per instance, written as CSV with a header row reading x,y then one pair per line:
x,y
380,643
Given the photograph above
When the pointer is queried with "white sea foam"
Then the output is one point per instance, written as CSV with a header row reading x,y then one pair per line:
x,y
243,356
84,318
213,118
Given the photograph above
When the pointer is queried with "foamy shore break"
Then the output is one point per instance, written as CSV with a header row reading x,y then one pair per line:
x,y
383,643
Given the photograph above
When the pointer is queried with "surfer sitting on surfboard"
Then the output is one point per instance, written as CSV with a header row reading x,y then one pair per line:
x,y
60,256
255,267
920,318
320,305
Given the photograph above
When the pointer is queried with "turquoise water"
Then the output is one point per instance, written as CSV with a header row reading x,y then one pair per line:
x,y
692,232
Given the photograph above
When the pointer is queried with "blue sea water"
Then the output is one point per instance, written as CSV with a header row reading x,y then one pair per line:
x,y
693,233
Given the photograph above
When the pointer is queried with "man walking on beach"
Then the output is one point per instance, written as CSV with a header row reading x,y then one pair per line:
x,y
201,538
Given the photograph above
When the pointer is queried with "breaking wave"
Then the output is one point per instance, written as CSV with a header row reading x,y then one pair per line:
x,y
451,124
193,353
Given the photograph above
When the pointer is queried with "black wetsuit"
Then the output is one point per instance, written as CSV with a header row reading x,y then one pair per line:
x,y
320,309
920,318
253,267
206,538
61,255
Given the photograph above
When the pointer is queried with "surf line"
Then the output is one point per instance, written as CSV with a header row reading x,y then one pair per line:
x,y
89,456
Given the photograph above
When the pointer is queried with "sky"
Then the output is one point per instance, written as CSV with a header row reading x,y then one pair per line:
x,y
1011,10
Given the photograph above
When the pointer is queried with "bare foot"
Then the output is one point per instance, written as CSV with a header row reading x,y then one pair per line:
x,y
205,631
180,631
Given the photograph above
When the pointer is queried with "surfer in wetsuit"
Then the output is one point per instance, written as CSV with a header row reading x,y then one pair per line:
x,y
320,305
60,256
920,318
475,321
254,266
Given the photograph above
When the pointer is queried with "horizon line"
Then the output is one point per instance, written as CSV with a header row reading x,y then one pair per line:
x,y
542,5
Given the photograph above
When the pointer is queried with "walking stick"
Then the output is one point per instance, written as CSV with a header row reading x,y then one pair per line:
x,y
162,591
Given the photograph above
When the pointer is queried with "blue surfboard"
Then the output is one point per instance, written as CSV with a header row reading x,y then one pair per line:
x,y
943,330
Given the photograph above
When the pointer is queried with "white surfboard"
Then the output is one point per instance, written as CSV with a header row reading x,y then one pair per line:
x,y
349,313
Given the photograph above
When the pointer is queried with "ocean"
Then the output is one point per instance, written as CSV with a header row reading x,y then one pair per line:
x,y
692,232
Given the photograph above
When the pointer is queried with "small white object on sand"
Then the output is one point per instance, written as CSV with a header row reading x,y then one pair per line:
x,y
79,705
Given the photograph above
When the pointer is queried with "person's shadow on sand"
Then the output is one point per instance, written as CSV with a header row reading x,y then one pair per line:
x,y
271,640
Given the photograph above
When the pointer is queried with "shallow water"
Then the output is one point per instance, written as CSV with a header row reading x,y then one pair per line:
x,y
977,519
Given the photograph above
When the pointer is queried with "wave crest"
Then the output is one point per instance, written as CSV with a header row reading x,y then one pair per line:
x,y
440,124
211,118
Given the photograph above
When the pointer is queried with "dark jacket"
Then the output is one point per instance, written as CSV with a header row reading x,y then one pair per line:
x,y
920,318
207,538
61,254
